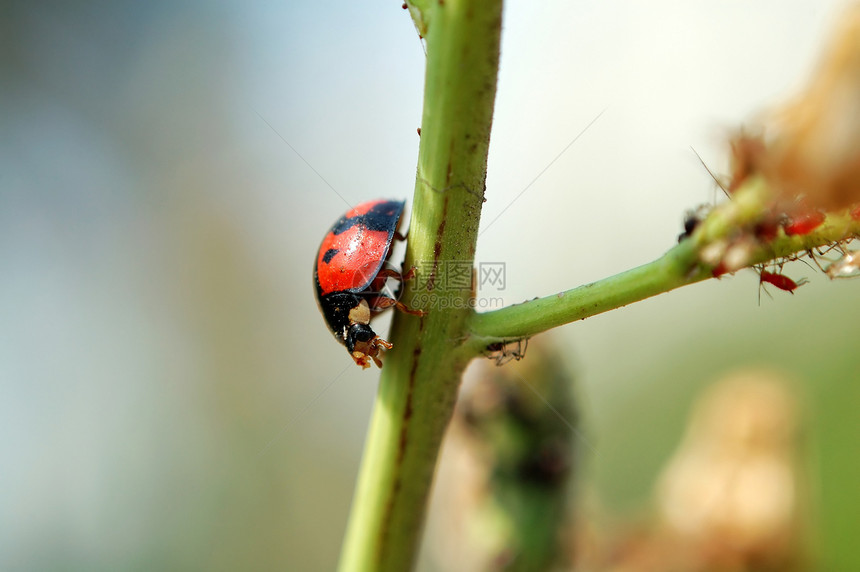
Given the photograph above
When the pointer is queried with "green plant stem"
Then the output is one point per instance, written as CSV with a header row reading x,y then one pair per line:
x,y
421,377
684,264
668,272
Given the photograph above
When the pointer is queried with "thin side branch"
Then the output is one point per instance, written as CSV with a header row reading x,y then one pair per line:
x,y
720,237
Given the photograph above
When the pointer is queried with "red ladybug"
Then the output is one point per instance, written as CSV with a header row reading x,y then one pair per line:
x,y
349,276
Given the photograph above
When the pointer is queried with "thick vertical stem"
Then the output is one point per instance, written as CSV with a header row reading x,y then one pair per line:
x,y
421,376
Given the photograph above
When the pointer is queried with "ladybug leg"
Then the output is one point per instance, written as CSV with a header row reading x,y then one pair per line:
x,y
363,343
380,303
409,274
379,343
399,236
386,273
378,282
370,349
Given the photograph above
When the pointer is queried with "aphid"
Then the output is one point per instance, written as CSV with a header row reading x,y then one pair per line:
x,y
781,281
767,228
803,223
349,277
503,352
692,219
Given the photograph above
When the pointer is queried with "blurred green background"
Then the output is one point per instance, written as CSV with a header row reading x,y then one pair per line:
x,y
170,397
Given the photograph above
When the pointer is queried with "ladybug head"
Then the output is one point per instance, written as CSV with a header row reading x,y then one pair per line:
x,y
363,345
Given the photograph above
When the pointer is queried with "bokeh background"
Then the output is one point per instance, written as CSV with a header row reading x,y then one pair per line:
x,y
169,395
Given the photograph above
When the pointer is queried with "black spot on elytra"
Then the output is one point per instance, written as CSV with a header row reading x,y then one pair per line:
x,y
383,216
329,254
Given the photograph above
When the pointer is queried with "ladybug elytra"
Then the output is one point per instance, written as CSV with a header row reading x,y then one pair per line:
x,y
349,276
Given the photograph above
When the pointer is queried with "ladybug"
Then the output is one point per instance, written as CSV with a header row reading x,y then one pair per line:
x,y
349,276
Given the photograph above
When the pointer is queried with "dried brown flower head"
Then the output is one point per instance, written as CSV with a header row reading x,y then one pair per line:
x,y
810,147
